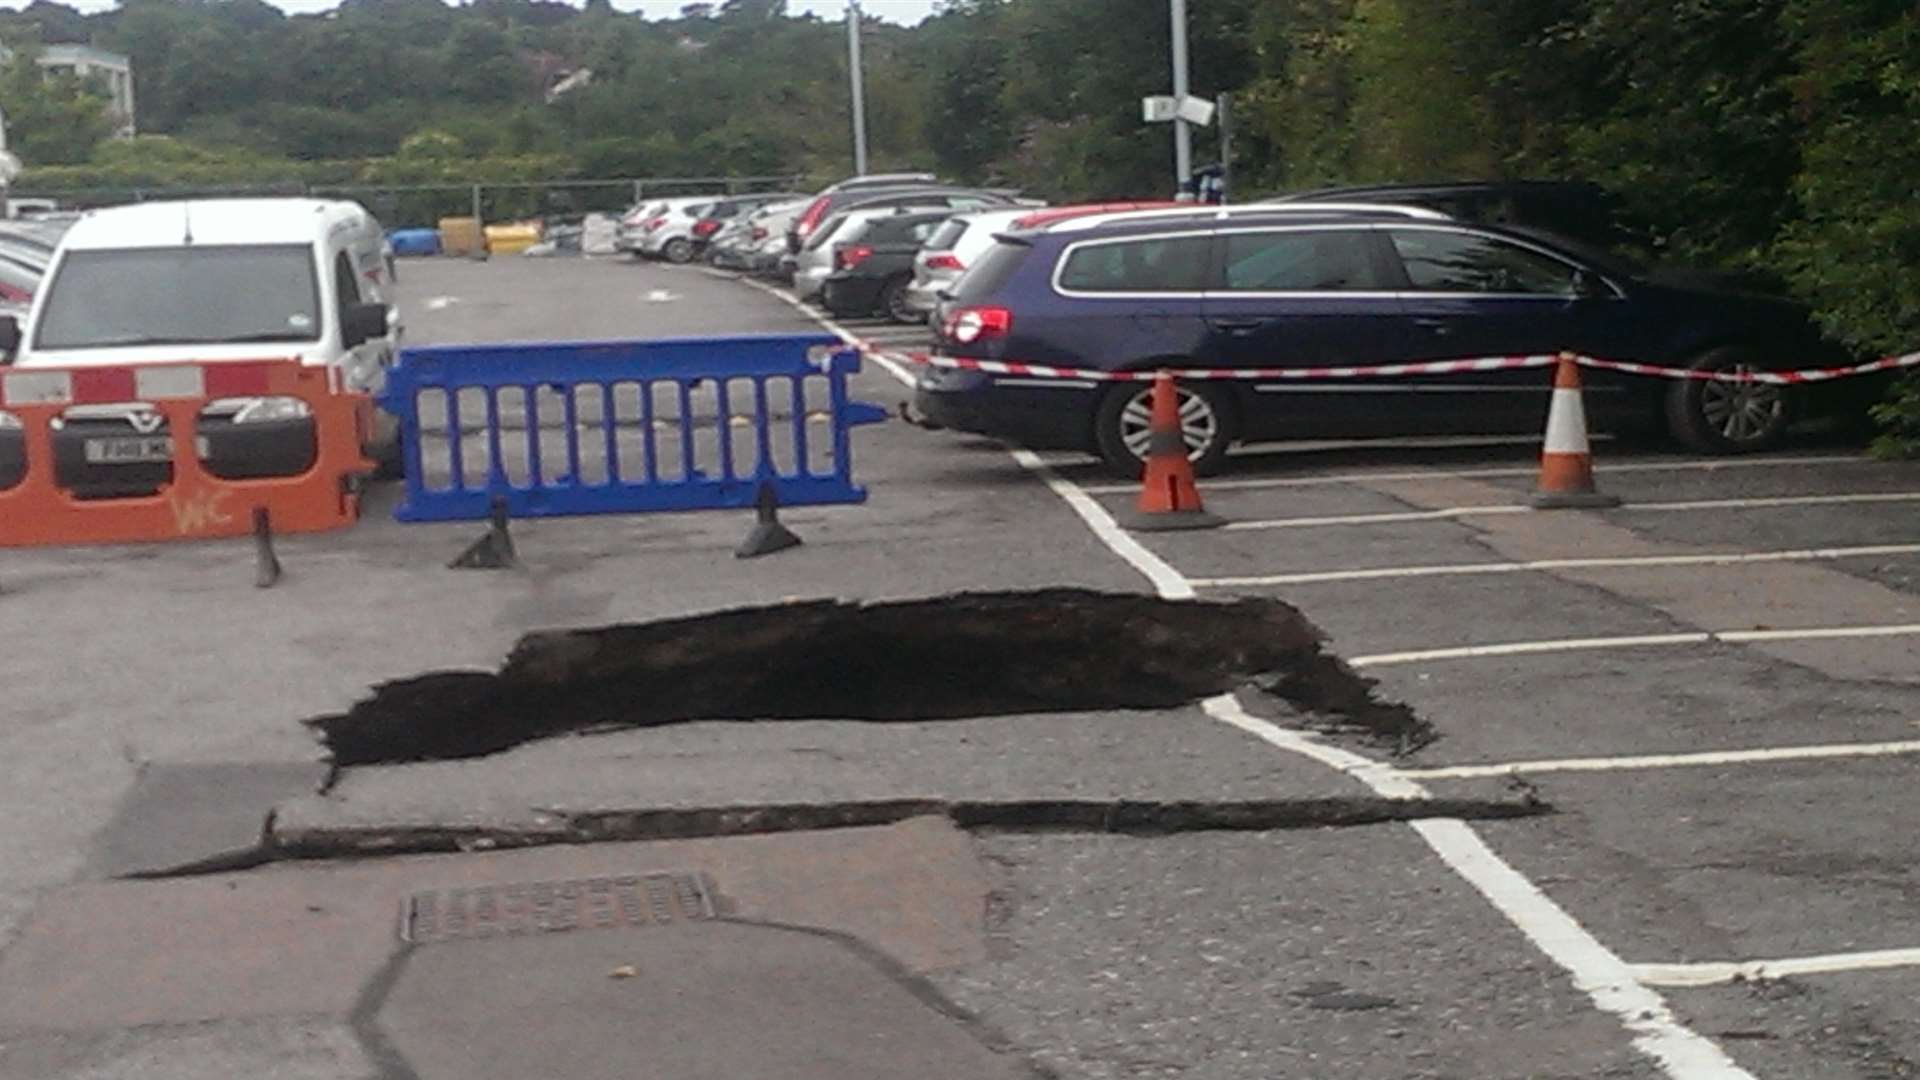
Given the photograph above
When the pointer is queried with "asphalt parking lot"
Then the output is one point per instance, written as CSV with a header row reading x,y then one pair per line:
x,y
1714,688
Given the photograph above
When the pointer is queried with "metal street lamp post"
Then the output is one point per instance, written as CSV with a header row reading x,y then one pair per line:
x,y
859,90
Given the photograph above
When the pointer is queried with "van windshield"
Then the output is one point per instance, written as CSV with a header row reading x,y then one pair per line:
x,y
181,296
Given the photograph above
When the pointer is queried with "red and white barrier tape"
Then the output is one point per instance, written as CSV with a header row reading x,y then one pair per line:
x,y
1776,378
1428,367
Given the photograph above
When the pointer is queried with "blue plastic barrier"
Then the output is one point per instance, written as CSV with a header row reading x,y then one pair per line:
x,y
625,427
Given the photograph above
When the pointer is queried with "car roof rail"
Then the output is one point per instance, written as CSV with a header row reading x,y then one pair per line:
x,y
1228,213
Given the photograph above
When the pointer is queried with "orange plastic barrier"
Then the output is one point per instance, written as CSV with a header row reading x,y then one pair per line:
x,y
196,504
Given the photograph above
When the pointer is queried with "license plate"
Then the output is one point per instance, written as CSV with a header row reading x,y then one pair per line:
x,y
133,449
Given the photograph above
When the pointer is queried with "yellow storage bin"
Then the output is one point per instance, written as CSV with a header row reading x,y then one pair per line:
x,y
512,239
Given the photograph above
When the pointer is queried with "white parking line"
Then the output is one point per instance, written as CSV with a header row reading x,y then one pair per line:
x,y
1701,759
1694,637
1606,979
893,367
1702,465
1717,974
1724,558
1489,510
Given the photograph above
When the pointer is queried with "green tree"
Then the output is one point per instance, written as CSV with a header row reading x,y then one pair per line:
x,y
52,119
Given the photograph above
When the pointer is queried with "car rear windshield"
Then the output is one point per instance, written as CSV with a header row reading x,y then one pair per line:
x,y
826,230
943,237
181,296
991,271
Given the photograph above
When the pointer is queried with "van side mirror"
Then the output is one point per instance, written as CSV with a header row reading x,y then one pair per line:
x,y
9,338
361,323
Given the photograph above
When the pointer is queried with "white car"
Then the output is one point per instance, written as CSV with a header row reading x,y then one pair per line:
x,y
664,229
951,249
210,281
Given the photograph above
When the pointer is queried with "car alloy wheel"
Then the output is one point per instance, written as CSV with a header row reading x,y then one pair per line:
x,y
1740,411
1733,414
1123,426
679,251
1199,424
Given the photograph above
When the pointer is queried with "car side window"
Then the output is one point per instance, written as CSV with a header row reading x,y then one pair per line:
x,y
1439,261
1335,260
1164,264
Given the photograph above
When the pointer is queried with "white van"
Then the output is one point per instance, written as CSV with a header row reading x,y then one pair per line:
x,y
209,280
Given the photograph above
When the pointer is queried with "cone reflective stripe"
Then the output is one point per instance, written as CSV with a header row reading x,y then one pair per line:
x,y
1566,459
1168,497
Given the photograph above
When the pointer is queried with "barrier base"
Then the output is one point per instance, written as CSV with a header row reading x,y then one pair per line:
x,y
266,564
1573,500
768,535
765,539
494,550
1167,520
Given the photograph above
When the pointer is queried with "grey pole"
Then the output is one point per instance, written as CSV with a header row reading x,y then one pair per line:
x,y
1182,134
859,90
1224,118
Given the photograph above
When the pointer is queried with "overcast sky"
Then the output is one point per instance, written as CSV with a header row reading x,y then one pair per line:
x,y
901,11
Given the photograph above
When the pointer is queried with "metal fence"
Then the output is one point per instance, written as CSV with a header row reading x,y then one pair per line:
x,y
425,204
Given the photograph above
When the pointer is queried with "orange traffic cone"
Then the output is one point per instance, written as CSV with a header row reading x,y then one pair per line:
x,y
1566,462
1168,499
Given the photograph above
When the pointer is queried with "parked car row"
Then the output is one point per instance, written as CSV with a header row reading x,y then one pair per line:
x,y
680,230
1333,280
853,245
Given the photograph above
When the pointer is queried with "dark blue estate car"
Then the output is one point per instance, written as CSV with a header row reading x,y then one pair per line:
x,y
1302,286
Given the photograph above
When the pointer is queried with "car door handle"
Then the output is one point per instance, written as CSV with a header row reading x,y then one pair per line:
x,y
1239,326
1438,326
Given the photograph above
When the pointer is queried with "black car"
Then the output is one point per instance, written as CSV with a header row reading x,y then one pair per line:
x,y
1304,288
1576,209
873,267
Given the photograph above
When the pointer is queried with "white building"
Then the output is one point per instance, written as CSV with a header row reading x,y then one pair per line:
x,y
115,69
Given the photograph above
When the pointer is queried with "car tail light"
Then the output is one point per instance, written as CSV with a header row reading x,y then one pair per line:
x,y
706,227
970,324
945,260
759,233
847,258
654,223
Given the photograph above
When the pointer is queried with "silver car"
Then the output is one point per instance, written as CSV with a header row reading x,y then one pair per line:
x,y
950,250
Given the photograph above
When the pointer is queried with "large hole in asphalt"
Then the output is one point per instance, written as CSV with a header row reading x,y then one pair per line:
x,y
966,655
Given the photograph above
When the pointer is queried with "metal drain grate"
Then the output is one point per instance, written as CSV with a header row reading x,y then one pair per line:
x,y
485,911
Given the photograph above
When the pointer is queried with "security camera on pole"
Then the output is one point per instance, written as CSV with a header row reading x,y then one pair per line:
x,y
1181,108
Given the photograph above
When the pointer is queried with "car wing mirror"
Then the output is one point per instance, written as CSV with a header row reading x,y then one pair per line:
x,y
361,323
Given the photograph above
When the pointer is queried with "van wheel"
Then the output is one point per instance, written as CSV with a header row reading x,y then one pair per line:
x,y
1122,426
679,251
1724,416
